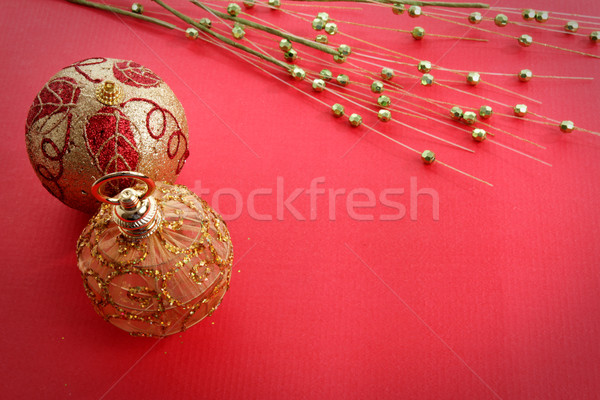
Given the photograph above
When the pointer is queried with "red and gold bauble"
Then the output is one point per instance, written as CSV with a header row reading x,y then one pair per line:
x,y
102,115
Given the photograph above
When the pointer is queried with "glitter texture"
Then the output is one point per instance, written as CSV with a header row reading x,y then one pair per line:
x,y
72,139
165,283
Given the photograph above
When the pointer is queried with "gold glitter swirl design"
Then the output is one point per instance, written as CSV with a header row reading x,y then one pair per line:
x,y
165,283
72,138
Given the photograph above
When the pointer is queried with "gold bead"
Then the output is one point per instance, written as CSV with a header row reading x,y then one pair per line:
x,y
339,59
428,157
418,33
343,79
355,120
137,8
233,9
318,24
109,93
398,8
238,32
344,50
541,16
326,75
387,73
324,16
475,17
469,117
414,11
567,126
424,66
501,20
485,112
427,80
249,3
318,85
520,110
298,73
285,45
473,78
377,87
290,55
274,3
337,110
595,36
456,113
322,39
525,75
205,22
384,115
479,135
528,14
571,26
525,40
331,28
383,101
191,33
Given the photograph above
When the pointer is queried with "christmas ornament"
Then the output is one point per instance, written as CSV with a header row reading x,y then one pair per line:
x,y
102,115
156,261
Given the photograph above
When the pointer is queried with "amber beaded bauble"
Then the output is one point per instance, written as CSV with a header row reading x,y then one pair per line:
x,y
102,115
166,282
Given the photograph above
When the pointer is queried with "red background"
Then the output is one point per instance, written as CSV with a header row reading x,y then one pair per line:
x,y
496,299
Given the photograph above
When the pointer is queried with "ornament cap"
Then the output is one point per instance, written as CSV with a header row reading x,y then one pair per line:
x,y
109,93
134,211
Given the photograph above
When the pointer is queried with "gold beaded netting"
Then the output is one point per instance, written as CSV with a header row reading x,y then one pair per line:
x,y
167,282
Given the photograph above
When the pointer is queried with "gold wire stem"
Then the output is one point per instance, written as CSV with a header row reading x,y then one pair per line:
x,y
366,126
511,92
570,15
385,28
588,131
273,31
512,37
435,103
565,49
583,78
225,39
438,103
463,172
395,110
511,135
343,96
553,122
413,3
472,94
457,37
437,161
116,10
521,153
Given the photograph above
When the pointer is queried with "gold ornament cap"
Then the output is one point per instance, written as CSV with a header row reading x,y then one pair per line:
x,y
135,212
109,93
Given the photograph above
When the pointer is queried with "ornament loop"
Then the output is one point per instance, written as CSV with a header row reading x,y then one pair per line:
x,y
99,184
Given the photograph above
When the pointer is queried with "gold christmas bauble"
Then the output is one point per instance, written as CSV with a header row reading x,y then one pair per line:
x,y
103,115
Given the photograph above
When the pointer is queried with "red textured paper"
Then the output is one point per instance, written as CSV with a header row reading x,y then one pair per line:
x,y
493,294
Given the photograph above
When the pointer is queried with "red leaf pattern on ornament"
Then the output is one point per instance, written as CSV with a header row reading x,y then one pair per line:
x,y
110,141
177,142
51,152
133,74
86,63
59,95
52,106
